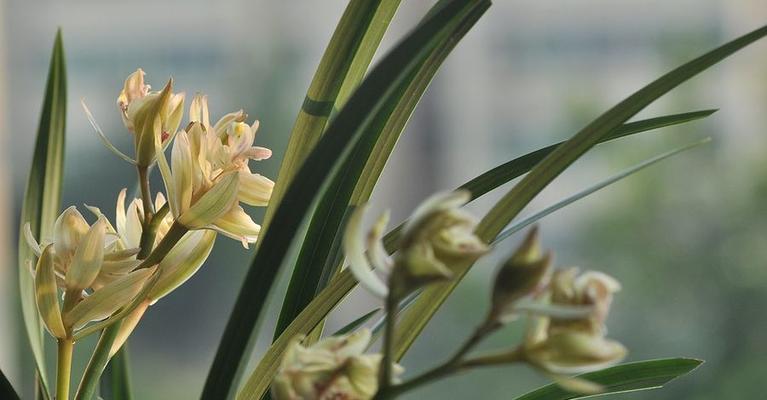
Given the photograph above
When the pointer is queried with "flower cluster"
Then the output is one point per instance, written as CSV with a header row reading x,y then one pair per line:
x,y
574,345
95,271
567,309
111,272
209,174
333,368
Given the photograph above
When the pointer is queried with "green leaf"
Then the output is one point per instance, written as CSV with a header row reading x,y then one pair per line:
x,y
116,378
414,320
601,185
318,257
6,389
630,377
349,52
521,165
344,282
42,198
331,152
352,326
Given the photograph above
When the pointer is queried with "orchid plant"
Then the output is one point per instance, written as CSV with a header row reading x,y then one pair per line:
x,y
84,275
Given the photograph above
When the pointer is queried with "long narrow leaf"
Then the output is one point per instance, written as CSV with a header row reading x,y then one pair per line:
x,y
351,326
331,151
349,52
630,377
414,320
516,227
116,381
42,198
6,389
317,259
344,282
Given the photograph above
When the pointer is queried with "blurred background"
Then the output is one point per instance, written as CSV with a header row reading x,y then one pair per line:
x,y
686,237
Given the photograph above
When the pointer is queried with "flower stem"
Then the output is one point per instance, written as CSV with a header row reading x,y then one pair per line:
x,y
451,366
146,194
100,356
387,366
64,368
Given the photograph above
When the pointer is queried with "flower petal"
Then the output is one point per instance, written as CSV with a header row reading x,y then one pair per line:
x,y
46,294
354,248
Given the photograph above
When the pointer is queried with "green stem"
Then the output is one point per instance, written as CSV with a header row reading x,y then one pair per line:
x,y
64,368
146,194
97,363
149,233
451,366
392,307
100,356
174,234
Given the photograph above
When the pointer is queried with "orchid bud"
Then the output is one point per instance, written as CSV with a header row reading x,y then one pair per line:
x,y
565,342
437,237
149,114
333,368
593,289
440,224
521,275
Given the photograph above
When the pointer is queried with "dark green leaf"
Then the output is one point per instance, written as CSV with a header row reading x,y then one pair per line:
x,y
6,389
630,377
332,151
115,381
318,257
347,57
42,198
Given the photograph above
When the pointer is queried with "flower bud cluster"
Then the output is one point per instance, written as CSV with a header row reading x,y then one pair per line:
x,y
333,368
438,237
91,266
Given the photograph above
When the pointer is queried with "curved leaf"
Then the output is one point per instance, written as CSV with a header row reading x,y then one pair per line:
x,y
591,189
347,57
318,257
6,389
630,377
42,198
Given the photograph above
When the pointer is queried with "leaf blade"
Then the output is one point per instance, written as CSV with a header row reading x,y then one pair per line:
x,y
6,389
629,377
42,197
319,257
592,189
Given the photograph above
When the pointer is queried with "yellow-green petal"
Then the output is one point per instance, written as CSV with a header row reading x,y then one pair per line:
x,y
213,204
89,255
182,262
105,301
47,295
